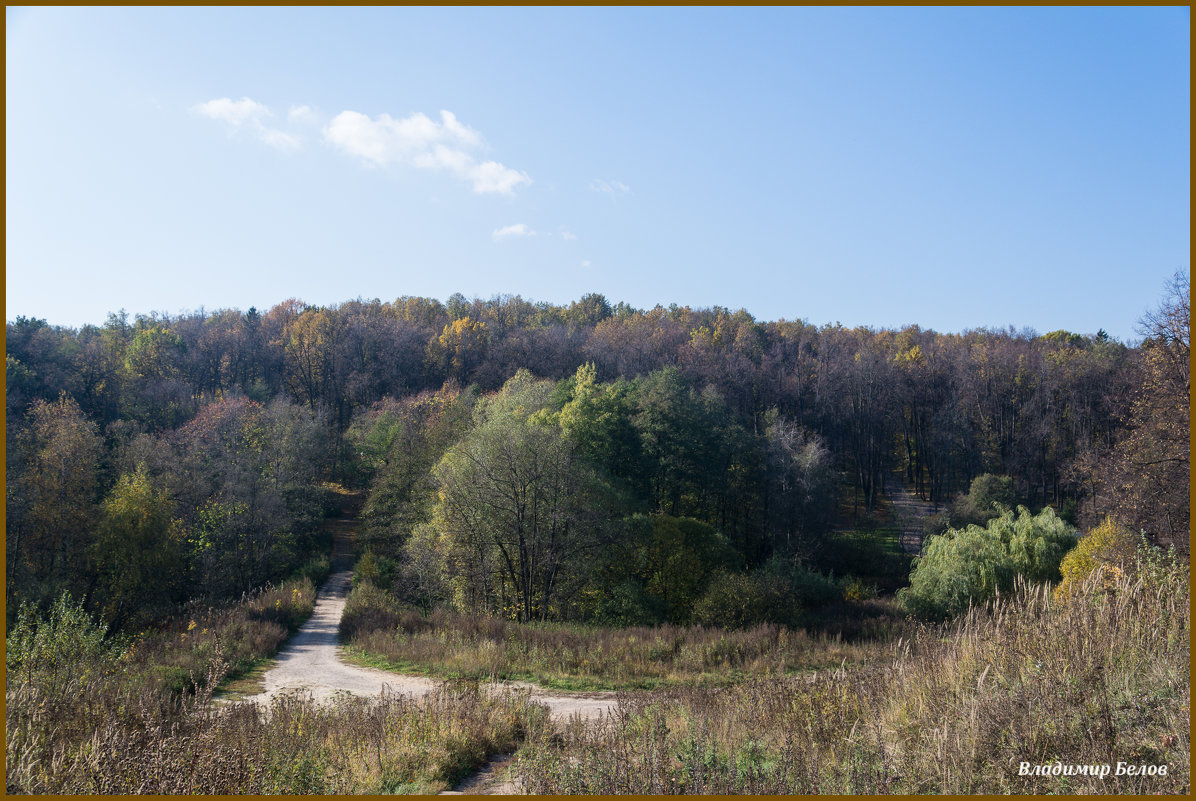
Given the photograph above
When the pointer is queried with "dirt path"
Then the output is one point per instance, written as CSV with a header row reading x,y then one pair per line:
x,y
910,512
311,663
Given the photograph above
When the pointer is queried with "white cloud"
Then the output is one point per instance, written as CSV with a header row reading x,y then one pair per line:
x,y
278,139
585,263
610,187
234,112
491,176
302,114
421,142
246,113
568,235
507,231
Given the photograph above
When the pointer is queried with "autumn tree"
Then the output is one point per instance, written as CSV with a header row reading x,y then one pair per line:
x,y
52,502
459,349
1152,469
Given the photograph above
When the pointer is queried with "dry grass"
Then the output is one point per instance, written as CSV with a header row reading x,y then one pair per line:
x,y
1104,679
575,657
354,745
180,654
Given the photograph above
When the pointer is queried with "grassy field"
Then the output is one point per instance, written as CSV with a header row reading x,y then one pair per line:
x,y
1101,680
379,633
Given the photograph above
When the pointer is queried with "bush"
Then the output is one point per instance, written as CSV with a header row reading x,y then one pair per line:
x,y
369,608
988,496
377,570
627,604
64,647
1109,544
287,606
740,600
315,570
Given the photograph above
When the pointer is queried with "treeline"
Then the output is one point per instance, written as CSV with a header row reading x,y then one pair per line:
x,y
208,432
955,405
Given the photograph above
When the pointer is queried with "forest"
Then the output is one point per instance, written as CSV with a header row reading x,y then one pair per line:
x,y
589,465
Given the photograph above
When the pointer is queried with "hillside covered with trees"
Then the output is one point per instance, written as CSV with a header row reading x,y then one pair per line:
x,y
583,461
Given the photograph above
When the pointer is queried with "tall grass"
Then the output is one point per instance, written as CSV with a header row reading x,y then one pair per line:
x,y
66,681
379,631
183,652
955,709
354,745
86,714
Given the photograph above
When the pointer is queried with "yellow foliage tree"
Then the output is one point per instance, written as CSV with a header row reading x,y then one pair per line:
x,y
1109,546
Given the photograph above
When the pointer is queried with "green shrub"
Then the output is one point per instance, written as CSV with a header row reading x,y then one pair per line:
x,y
627,604
988,496
66,645
315,570
375,569
740,600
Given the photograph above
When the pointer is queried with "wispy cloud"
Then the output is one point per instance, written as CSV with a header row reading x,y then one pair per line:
x,y
568,235
585,263
250,115
508,231
420,141
384,141
303,115
609,187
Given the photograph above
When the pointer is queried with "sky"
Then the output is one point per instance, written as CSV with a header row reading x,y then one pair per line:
x,y
951,168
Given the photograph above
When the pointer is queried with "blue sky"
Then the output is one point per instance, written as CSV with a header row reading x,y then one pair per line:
x,y
953,168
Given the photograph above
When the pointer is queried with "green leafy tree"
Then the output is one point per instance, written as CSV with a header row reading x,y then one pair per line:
x,y
956,569
1037,543
675,558
519,514
138,553
597,418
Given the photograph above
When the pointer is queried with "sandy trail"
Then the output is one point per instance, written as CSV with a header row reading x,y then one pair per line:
x,y
910,512
311,662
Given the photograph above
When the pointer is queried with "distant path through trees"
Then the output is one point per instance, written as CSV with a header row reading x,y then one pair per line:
x,y
909,512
